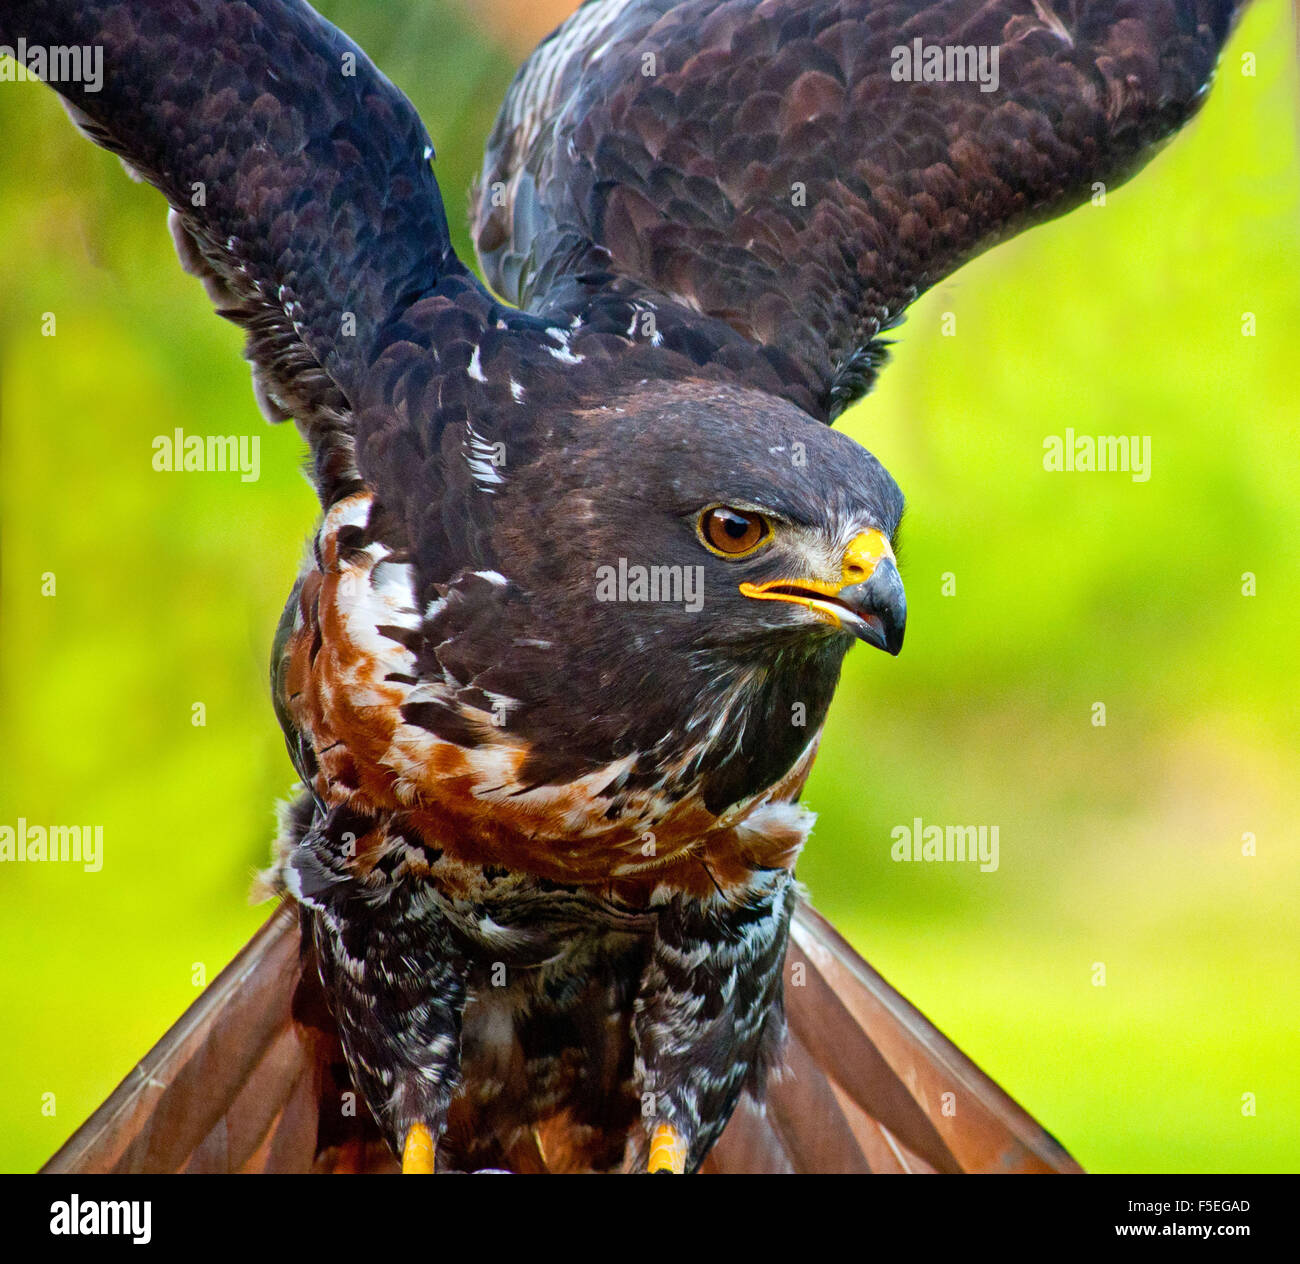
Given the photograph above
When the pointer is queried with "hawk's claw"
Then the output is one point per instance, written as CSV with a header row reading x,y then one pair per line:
x,y
667,1152
417,1153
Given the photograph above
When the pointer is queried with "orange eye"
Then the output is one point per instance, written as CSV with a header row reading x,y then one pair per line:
x,y
733,532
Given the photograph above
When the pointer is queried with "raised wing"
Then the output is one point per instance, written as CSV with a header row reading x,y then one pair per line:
x,y
804,169
299,178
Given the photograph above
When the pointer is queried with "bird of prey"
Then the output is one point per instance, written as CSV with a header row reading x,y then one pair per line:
x,y
590,557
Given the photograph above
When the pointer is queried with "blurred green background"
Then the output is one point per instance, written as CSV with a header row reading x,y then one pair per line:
x,y
1120,845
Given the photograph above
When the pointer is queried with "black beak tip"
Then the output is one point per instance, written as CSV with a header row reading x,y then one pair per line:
x,y
882,604
885,634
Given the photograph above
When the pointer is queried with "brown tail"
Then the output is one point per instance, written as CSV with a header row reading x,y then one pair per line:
x,y
871,1085
251,1079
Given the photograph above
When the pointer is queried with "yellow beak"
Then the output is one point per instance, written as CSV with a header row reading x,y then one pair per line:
x,y
868,600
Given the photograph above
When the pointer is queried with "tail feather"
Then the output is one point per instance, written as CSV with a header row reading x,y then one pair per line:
x,y
229,1088
251,1079
910,1085
840,1033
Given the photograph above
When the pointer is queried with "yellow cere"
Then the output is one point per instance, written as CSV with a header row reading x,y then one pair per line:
x,y
863,555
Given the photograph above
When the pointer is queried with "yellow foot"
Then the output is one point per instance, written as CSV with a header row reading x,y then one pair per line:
x,y
667,1152
417,1153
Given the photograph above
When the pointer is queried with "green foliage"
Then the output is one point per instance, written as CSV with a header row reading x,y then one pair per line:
x,y
1120,845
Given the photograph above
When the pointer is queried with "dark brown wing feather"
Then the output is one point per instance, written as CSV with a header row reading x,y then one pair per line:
x,y
298,176
758,161
251,1079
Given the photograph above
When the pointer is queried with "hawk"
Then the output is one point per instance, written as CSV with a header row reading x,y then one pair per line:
x,y
588,545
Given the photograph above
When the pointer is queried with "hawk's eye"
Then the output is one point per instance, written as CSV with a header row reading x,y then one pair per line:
x,y
733,532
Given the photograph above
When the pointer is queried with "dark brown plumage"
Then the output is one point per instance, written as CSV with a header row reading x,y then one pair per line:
x,y
556,669
762,164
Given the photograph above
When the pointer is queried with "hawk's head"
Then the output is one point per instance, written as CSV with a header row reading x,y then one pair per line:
x,y
723,525
686,566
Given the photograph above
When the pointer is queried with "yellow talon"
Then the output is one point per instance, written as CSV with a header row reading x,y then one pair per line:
x,y
417,1153
667,1151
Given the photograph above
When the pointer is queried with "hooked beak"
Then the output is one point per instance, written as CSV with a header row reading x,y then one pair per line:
x,y
868,601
